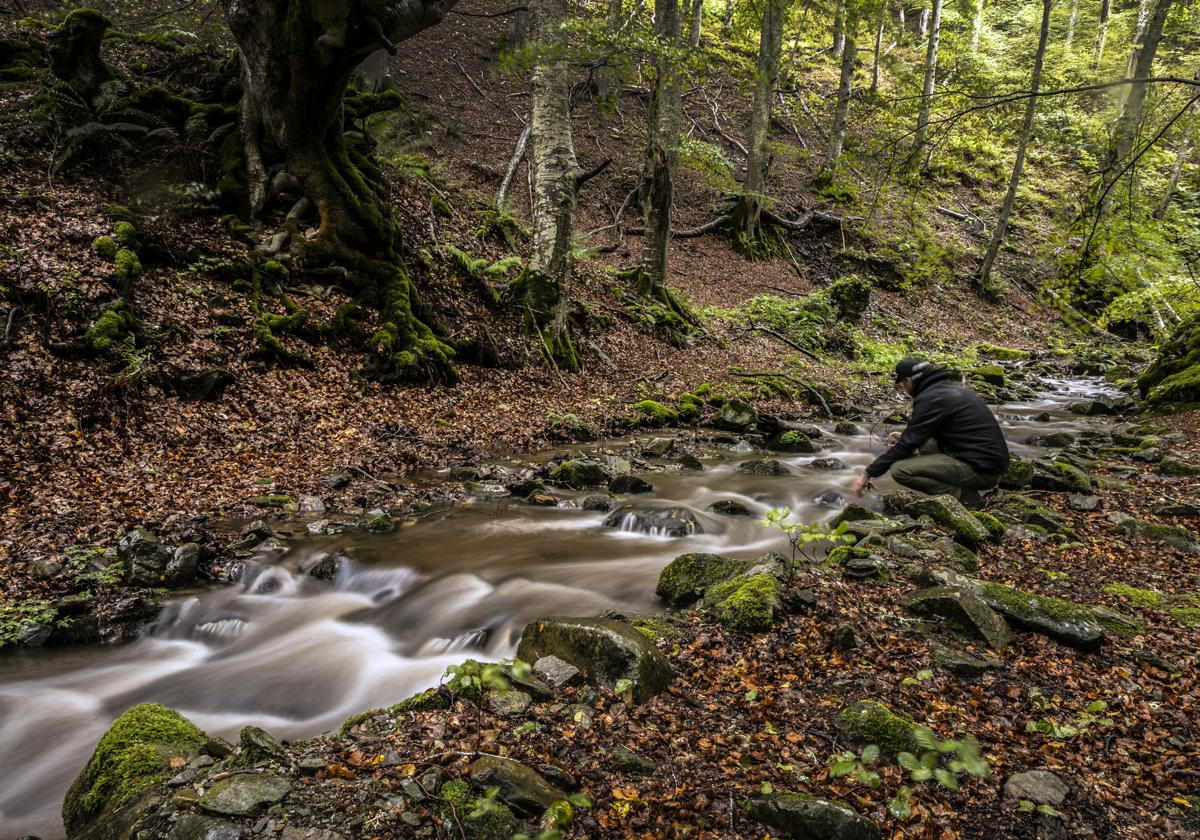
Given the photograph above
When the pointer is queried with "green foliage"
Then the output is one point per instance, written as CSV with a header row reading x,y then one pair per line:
x,y
803,537
471,679
16,616
943,761
655,413
128,266
709,161
1092,717
856,766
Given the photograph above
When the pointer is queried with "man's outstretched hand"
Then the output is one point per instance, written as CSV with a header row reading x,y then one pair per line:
x,y
860,484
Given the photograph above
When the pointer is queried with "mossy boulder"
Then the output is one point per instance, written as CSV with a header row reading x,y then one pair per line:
x,y
1018,475
685,578
579,473
655,413
1174,377
736,416
128,266
791,440
1061,477
1177,468
949,512
799,815
871,722
1000,354
1028,511
850,296
964,609
745,604
1177,537
130,762
144,558
604,650
991,374
995,528
762,466
105,247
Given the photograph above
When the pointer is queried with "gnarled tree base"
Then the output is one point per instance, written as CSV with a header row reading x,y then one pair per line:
x,y
663,308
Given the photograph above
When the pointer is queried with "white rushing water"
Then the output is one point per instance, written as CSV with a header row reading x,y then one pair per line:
x,y
297,656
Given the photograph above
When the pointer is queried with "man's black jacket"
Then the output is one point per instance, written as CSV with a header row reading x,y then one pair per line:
x,y
957,419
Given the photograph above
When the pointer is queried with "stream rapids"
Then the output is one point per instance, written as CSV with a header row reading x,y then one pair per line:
x,y
297,655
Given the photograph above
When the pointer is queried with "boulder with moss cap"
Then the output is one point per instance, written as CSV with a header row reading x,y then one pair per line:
x,y
122,780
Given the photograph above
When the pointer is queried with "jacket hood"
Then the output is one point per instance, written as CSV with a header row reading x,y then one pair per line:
x,y
930,376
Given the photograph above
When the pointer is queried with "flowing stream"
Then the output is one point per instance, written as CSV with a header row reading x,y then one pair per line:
x,y
297,656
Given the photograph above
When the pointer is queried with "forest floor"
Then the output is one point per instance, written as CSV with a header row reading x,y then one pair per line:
x,y
90,449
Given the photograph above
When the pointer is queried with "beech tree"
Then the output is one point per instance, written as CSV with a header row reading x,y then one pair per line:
x,y
747,213
985,271
297,57
930,80
544,286
841,111
1130,120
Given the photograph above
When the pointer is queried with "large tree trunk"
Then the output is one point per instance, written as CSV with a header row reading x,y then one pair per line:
x,y
545,284
662,153
985,272
841,110
1101,32
770,47
1130,121
930,81
297,57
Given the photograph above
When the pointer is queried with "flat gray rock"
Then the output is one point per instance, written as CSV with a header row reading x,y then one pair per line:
x,y
1038,786
241,796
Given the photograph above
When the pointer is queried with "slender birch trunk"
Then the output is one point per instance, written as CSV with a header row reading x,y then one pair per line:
x,y
879,27
993,248
977,25
931,57
839,27
547,280
1071,20
841,111
1101,32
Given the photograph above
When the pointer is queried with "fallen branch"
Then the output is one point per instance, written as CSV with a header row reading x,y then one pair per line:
x,y
592,173
687,233
765,331
513,164
953,214
772,374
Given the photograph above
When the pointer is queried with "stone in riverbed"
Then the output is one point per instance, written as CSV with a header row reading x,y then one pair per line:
x,y
762,466
666,522
599,502
963,608
685,578
736,416
579,473
243,795
1018,475
629,484
604,650
730,507
827,464
200,827
791,441
257,746
1178,538
181,568
808,818
1056,440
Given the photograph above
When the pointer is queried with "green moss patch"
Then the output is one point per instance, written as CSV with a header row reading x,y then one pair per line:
x,y
656,413
1135,596
871,722
686,577
131,758
745,604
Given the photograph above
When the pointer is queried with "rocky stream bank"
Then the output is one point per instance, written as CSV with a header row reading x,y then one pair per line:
x,y
1025,670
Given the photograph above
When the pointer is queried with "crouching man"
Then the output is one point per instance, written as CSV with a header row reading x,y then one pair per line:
x,y
971,453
